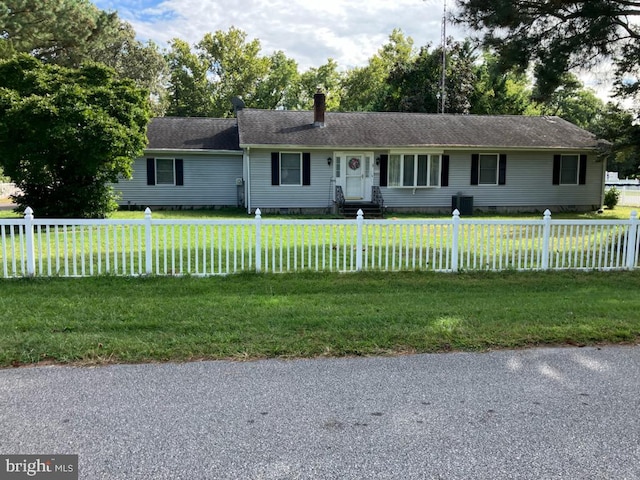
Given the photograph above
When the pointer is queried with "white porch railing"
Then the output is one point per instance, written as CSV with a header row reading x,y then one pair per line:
x,y
71,247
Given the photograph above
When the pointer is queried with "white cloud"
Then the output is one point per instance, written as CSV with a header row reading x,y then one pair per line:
x,y
309,31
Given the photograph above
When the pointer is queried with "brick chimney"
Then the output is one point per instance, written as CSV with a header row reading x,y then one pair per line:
x,y
319,107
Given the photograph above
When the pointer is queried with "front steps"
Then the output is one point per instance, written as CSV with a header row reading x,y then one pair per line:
x,y
369,209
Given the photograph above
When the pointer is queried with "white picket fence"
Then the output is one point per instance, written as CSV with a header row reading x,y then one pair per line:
x,y
72,247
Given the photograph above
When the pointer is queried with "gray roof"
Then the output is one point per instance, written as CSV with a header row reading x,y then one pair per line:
x,y
193,133
388,130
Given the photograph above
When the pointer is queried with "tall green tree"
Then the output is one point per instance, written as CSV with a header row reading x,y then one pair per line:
x,y
619,127
416,86
190,91
498,92
364,87
54,31
67,134
325,77
72,32
573,102
224,65
280,87
143,63
235,66
557,36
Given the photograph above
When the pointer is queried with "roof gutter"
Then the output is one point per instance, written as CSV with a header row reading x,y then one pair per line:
x,y
189,151
414,147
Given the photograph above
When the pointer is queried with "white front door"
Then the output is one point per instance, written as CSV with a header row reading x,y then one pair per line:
x,y
354,173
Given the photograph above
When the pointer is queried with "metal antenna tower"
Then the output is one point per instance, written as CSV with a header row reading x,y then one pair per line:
x,y
443,42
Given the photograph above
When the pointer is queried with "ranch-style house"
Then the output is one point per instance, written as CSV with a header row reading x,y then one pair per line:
x,y
317,161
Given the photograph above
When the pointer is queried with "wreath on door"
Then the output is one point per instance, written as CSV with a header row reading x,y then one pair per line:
x,y
354,163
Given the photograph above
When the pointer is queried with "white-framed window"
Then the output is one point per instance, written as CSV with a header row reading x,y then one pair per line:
x,y
488,169
290,168
569,167
414,170
165,171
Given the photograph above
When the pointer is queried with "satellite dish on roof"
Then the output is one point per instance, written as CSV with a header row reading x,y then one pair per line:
x,y
237,103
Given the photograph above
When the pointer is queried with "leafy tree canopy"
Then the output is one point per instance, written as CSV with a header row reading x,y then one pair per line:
x,y
66,134
618,126
363,88
500,92
71,32
224,65
415,85
556,36
327,78
53,31
189,86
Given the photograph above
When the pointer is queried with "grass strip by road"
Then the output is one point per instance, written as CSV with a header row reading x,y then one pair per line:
x,y
120,319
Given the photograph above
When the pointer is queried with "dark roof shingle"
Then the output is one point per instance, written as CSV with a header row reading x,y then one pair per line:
x,y
388,130
193,133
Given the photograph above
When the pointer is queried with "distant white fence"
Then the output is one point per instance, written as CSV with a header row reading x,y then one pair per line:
x,y
629,196
71,247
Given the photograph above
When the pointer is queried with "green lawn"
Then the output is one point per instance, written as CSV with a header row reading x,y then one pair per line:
x,y
245,316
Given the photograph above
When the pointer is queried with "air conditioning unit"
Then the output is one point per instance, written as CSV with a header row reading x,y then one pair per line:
x,y
464,204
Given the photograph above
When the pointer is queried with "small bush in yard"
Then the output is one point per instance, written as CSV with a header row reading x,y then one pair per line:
x,y
611,198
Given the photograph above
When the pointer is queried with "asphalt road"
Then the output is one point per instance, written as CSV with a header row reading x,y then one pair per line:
x,y
571,413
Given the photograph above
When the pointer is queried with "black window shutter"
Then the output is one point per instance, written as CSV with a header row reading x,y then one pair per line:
x,y
384,167
444,171
582,174
151,171
502,169
179,171
275,168
306,168
556,169
475,162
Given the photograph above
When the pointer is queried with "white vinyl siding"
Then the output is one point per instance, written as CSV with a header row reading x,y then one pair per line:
x,y
319,194
209,180
529,186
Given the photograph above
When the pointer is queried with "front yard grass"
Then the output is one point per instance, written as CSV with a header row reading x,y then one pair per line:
x,y
109,319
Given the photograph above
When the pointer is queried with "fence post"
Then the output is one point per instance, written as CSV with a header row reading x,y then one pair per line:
x,y
546,238
28,233
632,236
258,240
359,226
455,240
147,241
